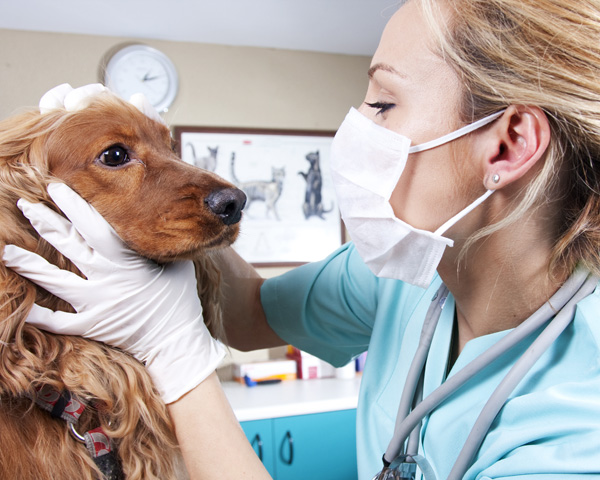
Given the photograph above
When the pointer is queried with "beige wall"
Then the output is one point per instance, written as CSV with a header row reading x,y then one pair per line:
x,y
219,86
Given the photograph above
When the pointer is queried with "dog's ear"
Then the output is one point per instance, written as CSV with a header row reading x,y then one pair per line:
x,y
24,174
208,278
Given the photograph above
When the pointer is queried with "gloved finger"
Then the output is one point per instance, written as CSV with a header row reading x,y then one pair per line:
x,y
53,99
96,231
80,97
59,232
58,282
62,323
141,102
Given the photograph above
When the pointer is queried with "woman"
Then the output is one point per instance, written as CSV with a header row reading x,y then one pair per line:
x,y
526,185
441,65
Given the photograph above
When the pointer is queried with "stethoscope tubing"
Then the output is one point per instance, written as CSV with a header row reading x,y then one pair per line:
x,y
406,422
416,369
518,371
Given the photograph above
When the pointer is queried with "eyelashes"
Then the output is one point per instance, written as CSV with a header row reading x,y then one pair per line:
x,y
381,107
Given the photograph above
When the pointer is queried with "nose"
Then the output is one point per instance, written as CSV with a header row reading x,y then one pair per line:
x,y
227,204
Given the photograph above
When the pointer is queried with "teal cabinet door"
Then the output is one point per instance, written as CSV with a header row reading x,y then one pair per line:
x,y
260,436
317,446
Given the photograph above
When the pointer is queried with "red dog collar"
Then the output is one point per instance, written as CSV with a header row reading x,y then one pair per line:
x,y
68,408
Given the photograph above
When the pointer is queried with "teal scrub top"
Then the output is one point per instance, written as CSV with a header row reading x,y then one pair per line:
x,y
548,429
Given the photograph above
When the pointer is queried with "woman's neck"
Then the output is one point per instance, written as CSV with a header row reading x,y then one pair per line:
x,y
496,288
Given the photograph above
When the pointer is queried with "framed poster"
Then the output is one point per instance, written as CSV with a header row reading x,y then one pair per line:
x,y
291,215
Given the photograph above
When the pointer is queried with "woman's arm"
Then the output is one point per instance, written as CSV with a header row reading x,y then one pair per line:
x,y
162,327
245,322
212,442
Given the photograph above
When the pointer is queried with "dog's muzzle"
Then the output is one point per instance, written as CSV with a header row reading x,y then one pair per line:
x,y
227,204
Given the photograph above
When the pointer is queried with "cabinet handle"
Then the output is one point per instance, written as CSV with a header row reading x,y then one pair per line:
x,y
290,443
259,444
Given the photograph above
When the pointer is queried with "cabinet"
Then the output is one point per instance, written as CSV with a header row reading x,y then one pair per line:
x,y
314,446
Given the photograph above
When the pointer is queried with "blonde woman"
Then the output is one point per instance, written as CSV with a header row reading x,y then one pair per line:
x,y
442,65
470,185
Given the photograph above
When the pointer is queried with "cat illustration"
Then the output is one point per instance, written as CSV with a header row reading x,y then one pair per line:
x,y
207,162
268,191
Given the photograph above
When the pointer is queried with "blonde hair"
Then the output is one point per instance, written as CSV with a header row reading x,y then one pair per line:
x,y
543,53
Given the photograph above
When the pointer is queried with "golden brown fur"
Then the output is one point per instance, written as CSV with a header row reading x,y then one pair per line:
x,y
156,204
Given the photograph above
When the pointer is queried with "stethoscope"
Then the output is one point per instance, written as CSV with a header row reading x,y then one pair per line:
x,y
401,457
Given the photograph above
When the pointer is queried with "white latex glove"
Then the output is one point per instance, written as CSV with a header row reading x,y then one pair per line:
x,y
151,311
72,99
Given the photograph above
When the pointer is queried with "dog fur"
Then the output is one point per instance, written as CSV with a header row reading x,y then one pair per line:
x,y
157,204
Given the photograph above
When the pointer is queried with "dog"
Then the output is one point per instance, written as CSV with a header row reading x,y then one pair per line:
x,y
123,163
268,191
314,183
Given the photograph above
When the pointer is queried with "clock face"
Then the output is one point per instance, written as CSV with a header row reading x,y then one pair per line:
x,y
142,69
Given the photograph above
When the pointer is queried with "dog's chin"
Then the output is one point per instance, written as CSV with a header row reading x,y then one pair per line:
x,y
222,241
192,250
226,238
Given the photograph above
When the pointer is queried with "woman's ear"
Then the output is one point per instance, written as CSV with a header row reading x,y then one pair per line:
x,y
515,142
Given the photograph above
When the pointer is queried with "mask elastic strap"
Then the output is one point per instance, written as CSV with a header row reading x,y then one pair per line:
x,y
462,213
456,134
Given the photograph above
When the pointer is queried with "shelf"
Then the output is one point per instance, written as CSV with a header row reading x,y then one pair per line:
x,y
292,397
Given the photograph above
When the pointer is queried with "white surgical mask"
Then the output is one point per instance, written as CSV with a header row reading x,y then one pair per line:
x,y
366,162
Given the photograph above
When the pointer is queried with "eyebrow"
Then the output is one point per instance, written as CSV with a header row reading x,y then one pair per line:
x,y
385,67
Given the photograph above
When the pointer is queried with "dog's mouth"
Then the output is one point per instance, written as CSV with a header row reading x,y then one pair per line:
x,y
226,238
190,250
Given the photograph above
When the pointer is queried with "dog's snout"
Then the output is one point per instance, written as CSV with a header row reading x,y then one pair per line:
x,y
227,204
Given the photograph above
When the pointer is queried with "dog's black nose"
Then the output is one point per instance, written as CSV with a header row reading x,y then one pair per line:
x,y
227,204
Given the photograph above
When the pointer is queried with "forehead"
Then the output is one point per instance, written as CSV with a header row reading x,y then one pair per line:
x,y
407,45
407,65
115,120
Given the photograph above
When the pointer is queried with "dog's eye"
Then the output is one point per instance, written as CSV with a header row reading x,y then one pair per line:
x,y
114,156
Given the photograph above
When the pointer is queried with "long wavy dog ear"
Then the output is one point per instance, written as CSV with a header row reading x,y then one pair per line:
x,y
210,286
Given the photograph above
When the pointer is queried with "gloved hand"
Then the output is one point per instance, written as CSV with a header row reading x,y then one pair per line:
x,y
151,311
72,99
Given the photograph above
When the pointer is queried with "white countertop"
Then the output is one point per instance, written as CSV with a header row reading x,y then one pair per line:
x,y
292,397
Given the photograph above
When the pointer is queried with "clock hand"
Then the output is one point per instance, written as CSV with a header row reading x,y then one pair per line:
x,y
148,78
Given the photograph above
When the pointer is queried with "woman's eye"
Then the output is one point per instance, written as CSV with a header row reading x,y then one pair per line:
x,y
114,156
381,107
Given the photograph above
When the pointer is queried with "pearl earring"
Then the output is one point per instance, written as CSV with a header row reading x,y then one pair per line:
x,y
496,178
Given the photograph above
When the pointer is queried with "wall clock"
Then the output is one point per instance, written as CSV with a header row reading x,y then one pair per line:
x,y
142,69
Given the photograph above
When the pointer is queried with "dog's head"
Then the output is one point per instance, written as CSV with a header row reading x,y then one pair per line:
x,y
123,163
